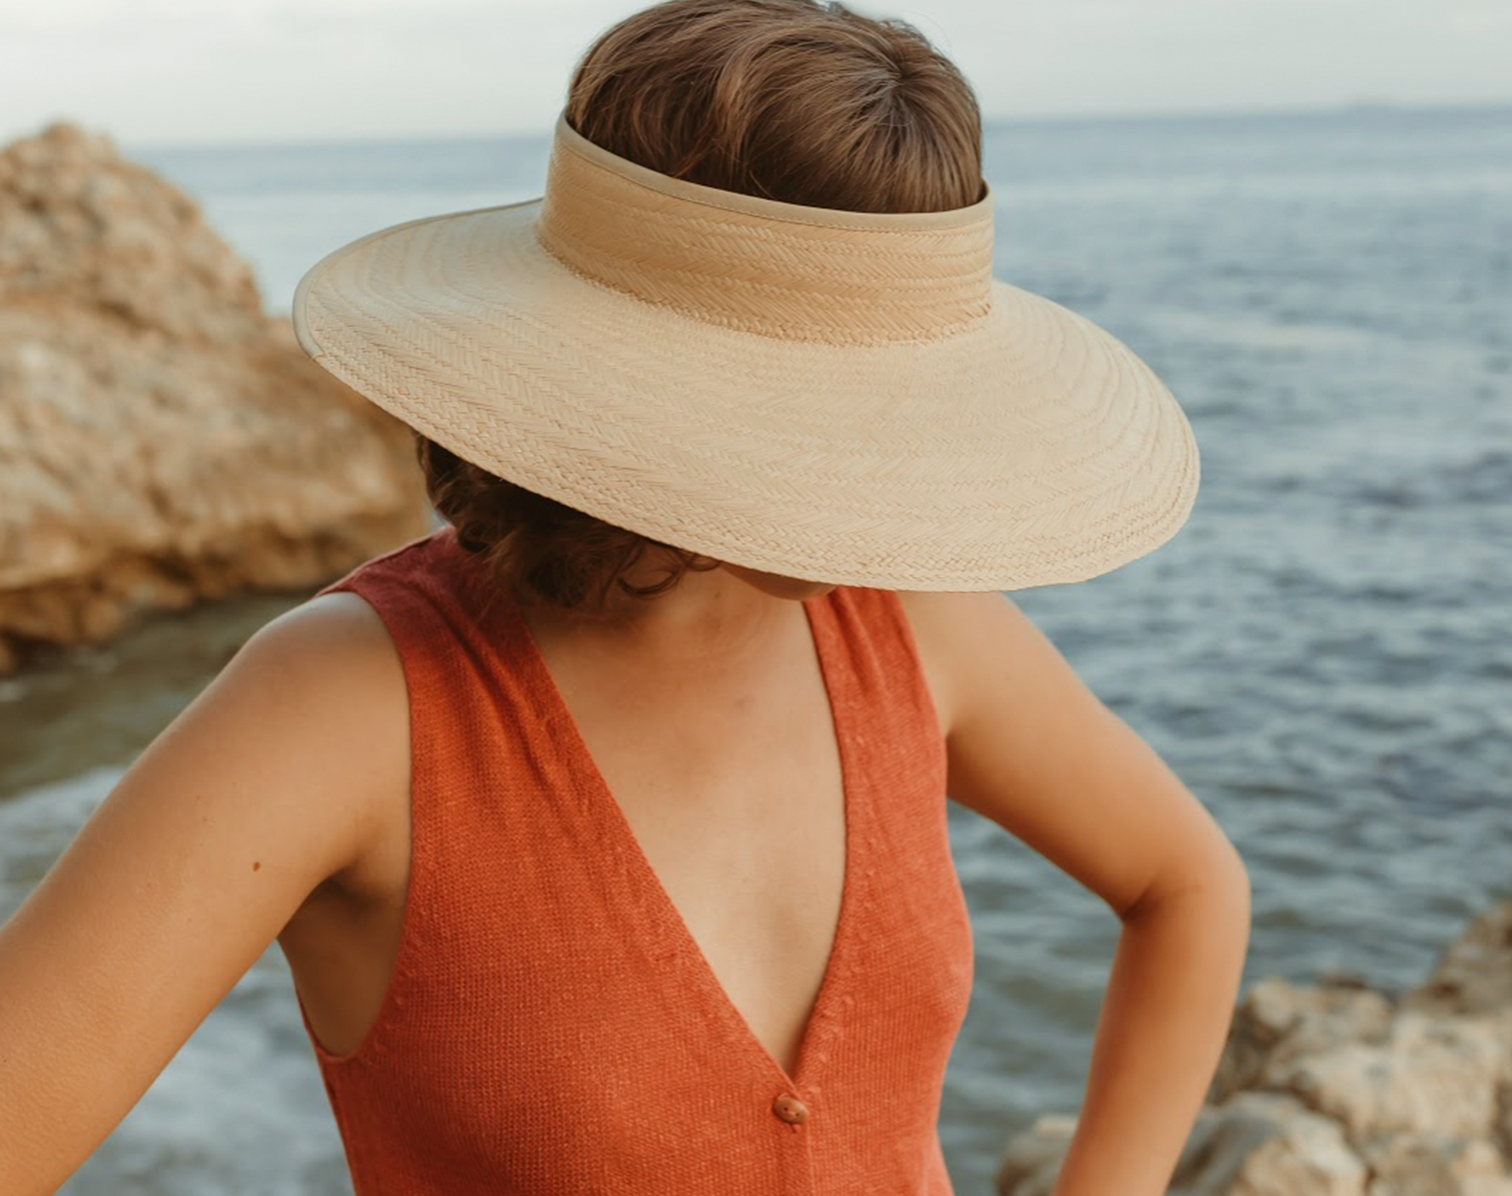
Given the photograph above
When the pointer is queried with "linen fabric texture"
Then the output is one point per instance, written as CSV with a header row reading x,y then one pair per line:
x,y
551,1027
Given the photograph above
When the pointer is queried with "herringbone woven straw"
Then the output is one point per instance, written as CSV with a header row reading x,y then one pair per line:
x,y
835,396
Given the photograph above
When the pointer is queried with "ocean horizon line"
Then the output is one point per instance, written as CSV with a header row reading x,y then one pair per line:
x,y
1353,109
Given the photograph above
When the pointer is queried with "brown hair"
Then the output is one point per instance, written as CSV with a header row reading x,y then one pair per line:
x,y
541,548
796,101
793,100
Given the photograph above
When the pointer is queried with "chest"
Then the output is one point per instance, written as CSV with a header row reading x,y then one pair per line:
x,y
621,901
725,788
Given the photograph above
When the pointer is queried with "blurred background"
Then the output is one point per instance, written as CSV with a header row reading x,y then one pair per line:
x,y
1298,211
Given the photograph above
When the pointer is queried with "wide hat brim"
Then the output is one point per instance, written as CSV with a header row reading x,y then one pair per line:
x,y
1028,448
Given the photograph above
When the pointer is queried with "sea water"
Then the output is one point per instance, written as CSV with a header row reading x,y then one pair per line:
x,y
1324,653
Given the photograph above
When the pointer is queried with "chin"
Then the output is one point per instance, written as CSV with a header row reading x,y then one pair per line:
x,y
777,586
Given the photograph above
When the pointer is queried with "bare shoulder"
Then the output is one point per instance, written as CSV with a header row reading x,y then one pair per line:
x,y
285,774
326,681
332,658
961,637
302,741
333,651
1033,748
341,629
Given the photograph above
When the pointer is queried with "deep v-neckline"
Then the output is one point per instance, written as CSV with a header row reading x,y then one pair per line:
x,y
670,922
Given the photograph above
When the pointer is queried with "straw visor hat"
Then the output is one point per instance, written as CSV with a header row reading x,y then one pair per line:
x,y
832,396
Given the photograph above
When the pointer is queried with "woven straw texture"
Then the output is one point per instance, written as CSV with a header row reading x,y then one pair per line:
x,y
834,396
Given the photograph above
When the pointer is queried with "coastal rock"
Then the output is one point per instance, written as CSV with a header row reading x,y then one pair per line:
x,y
1433,1076
1335,1090
1278,1025
1259,1144
1422,1164
162,440
1032,1159
1475,973
1264,1143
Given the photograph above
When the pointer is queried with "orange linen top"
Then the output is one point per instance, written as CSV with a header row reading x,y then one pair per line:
x,y
551,1027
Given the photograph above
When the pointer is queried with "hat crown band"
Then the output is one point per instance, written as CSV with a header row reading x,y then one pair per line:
x,y
779,270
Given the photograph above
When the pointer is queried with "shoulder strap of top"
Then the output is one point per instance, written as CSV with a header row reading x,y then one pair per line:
x,y
885,681
429,597
473,719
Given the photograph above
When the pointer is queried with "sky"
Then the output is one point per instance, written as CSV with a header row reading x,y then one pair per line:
x,y
163,72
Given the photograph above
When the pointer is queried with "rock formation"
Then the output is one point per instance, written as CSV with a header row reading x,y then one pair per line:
x,y
161,438
1337,1091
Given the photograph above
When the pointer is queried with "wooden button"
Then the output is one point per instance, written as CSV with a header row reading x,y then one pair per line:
x,y
790,1109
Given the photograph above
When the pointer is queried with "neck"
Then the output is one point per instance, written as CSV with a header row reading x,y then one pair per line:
x,y
708,615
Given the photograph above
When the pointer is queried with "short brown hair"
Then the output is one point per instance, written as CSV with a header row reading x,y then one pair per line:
x,y
801,102
793,100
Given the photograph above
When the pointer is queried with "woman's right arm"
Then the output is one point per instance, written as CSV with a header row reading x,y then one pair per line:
x,y
274,781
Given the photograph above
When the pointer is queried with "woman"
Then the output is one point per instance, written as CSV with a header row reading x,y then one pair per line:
x,y
604,831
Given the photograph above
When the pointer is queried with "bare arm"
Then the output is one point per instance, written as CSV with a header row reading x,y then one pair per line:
x,y
268,785
1031,748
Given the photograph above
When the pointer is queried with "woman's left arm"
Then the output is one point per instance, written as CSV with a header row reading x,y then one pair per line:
x,y
1031,748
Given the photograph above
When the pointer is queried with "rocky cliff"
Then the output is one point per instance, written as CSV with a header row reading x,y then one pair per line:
x,y
1336,1090
161,439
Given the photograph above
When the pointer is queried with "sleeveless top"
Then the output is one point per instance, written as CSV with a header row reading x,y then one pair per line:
x,y
551,1027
